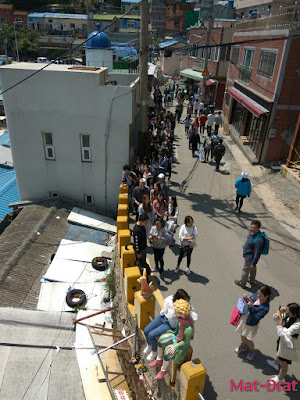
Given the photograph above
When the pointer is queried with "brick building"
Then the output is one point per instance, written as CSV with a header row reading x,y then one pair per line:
x,y
176,16
157,16
9,16
262,99
218,59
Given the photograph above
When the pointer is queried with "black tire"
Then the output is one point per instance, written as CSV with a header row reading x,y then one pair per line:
x,y
99,263
77,294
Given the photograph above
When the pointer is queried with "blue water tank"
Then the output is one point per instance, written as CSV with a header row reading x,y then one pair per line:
x,y
230,4
98,40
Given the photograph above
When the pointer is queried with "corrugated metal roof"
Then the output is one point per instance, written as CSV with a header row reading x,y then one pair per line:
x,y
110,17
168,43
4,139
57,16
8,190
36,15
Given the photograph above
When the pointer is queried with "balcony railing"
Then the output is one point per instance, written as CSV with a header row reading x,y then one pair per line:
x,y
245,74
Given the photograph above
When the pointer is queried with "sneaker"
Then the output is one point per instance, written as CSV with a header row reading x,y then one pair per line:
x,y
275,379
161,374
272,364
235,208
239,284
156,363
176,270
147,349
240,349
151,356
250,355
187,271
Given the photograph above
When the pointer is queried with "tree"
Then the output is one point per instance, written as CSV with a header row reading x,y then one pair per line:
x,y
27,41
29,5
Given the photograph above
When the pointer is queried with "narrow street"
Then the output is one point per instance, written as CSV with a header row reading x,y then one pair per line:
x,y
209,197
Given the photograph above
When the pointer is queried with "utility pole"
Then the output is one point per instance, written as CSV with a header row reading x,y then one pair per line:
x,y
143,136
210,7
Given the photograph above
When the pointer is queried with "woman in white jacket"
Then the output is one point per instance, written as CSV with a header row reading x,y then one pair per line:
x,y
288,343
187,240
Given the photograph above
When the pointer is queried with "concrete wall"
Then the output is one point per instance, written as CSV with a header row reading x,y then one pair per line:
x,y
68,103
99,58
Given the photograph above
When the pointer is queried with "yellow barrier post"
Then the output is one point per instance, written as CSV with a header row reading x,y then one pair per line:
x,y
143,307
131,285
124,238
123,210
127,258
123,188
122,223
123,198
192,376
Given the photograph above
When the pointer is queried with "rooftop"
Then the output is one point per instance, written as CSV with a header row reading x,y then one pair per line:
x,y
57,16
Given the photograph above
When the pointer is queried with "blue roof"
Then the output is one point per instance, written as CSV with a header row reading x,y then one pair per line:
x,y
4,139
8,190
123,51
98,40
36,15
168,43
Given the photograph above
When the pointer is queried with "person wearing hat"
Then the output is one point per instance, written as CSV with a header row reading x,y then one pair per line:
x,y
164,186
174,345
137,194
243,189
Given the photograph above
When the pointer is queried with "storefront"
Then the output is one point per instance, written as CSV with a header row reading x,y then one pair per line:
x,y
195,78
249,119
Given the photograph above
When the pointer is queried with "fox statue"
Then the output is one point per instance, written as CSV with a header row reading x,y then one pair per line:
x,y
146,290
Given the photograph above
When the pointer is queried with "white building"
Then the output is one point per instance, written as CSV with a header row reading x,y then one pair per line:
x,y
98,50
70,132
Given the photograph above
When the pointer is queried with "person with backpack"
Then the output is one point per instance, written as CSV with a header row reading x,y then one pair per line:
x,y
194,141
219,151
207,147
215,140
257,243
243,189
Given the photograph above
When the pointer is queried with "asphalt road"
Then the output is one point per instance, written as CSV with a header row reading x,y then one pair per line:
x,y
209,197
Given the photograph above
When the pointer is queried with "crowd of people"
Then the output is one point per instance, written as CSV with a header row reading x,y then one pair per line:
x,y
169,335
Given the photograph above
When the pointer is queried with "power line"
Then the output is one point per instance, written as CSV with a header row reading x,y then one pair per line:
x,y
71,50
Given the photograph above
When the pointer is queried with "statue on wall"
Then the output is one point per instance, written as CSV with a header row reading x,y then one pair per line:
x,y
174,345
146,290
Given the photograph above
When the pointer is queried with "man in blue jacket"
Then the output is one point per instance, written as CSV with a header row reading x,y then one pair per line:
x,y
251,252
243,189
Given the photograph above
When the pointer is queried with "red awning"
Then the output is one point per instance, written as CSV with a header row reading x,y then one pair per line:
x,y
208,83
247,102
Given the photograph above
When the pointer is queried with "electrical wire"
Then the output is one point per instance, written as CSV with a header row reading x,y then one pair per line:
x,y
71,50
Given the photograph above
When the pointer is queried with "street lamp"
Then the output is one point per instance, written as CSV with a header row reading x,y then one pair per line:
x,y
16,39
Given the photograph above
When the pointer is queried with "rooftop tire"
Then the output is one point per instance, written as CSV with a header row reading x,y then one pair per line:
x,y
99,263
76,298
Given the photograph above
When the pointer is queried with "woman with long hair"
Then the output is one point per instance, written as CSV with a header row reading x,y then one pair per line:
x,y
158,238
187,240
159,206
154,192
259,307
288,343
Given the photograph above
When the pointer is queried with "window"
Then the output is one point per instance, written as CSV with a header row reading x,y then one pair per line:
x,y
217,54
227,99
4,11
3,20
85,148
72,26
203,53
130,24
246,65
18,20
194,51
50,21
48,146
235,55
89,199
266,63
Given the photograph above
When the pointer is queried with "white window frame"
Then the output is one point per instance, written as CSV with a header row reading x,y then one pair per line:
x,y
244,56
86,199
194,51
217,53
85,148
48,147
18,20
203,53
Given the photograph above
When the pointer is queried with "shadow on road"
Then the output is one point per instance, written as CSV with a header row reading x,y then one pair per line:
x,y
209,391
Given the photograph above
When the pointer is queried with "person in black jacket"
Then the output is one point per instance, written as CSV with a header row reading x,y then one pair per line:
x,y
140,243
219,151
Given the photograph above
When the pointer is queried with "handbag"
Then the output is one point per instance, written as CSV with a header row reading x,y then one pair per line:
x,y
235,316
242,306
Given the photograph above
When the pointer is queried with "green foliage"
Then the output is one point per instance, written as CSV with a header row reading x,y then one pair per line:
x,y
54,53
111,282
29,5
27,41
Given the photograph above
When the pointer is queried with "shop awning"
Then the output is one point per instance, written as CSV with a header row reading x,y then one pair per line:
x,y
247,102
190,73
208,83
